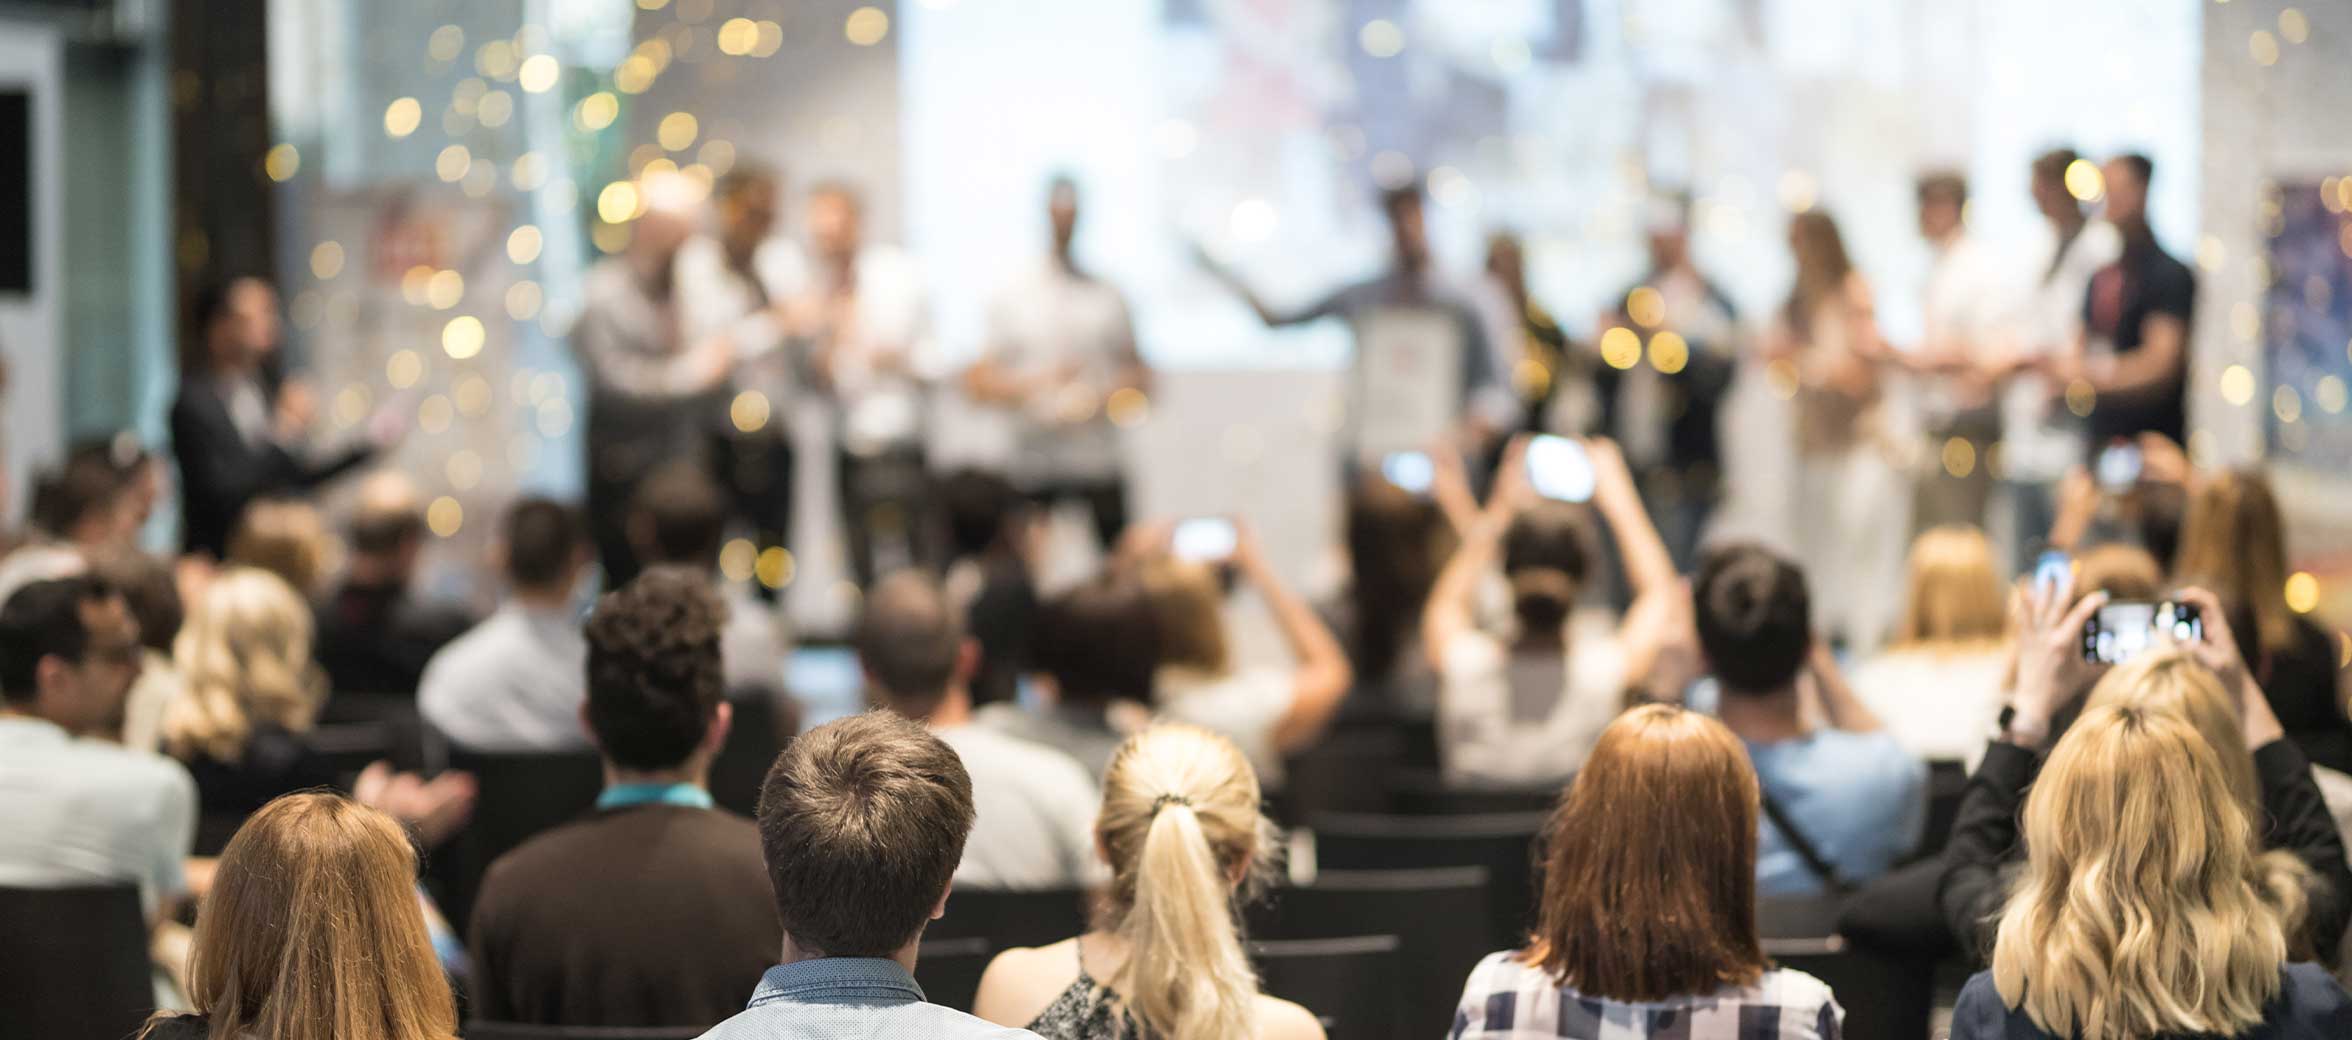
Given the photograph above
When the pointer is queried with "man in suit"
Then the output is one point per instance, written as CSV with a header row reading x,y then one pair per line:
x,y
236,431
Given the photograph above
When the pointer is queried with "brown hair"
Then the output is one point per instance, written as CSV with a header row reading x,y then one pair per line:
x,y
1189,610
863,821
313,931
286,538
2233,542
1396,541
1637,911
1822,266
2123,572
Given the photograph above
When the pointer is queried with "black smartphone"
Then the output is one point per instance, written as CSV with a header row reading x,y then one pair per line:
x,y
2122,631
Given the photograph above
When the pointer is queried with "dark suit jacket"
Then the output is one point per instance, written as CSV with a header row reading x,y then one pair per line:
x,y
220,473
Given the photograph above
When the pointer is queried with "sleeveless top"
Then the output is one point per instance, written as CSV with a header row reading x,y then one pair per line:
x,y
1088,1010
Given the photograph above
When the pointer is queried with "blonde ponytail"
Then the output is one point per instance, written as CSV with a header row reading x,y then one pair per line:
x,y
1181,823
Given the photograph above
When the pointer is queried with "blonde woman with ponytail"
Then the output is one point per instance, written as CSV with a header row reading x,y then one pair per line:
x,y
1181,830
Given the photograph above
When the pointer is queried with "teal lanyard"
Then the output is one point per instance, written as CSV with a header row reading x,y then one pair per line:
x,y
621,796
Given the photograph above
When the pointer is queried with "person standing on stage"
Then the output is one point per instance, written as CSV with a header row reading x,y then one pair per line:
x,y
1966,314
654,388
741,282
1061,343
1539,351
1661,407
1430,351
872,352
2135,349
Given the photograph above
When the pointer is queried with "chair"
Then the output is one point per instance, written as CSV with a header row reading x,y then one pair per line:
x,y
522,794
1424,792
1503,843
516,1031
1883,996
1353,984
1438,915
73,963
1330,776
949,970
741,767
1007,918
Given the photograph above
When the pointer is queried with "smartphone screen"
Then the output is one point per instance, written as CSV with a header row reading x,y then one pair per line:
x,y
1409,470
1204,539
2050,569
2122,631
1559,469
2118,467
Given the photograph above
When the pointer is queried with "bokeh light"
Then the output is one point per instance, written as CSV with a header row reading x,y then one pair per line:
x,y
445,516
402,116
462,337
2302,592
866,26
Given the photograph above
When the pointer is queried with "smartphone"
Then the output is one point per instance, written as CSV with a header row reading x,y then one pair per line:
x,y
2122,631
1205,539
1409,470
1559,469
2118,467
2050,569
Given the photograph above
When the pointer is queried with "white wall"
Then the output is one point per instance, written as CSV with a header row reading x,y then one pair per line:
x,y
32,411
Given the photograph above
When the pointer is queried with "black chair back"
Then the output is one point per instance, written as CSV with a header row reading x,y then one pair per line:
x,y
1007,918
1424,792
760,731
479,1030
1883,996
949,970
522,794
1439,916
73,963
1503,843
1352,984
1331,775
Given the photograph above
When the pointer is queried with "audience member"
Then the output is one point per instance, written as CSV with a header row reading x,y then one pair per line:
x,y
679,518
1396,542
863,821
151,589
514,682
1647,930
286,537
1181,828
81,512
647,912
82,811
1937,683
375,635
1270,712
1034,823
996,540
1528,710
314,930
1096,649
1842,797
2142,910
2134,354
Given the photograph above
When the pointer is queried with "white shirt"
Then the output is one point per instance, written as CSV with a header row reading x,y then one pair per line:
x,y
1939,706
715,299
754,646
514,682
1244,706
1034,810
883,410
2040,438
1050,318
1492,730
1969,303
34,564
82,812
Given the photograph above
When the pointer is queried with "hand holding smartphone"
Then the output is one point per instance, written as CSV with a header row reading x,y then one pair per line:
x,y
2122,631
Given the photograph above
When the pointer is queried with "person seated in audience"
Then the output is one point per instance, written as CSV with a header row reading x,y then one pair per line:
x,y
862,821
679,517
80,513
1937,681
1526,709
375,635
1181,829
81,811
1035,805
250,695
2208,685
1647,924
2143,910
648,912
1843,800
314,930
150,587
1271,712
1396,543
997,539
286,537
1096,650
514,682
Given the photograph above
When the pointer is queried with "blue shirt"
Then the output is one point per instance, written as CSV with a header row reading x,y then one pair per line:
x,y
1859,797
850,998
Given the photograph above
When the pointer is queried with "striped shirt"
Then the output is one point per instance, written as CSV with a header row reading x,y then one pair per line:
x,y
1507,999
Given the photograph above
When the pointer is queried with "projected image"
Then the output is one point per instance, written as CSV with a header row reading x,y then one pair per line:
x,y
2307,321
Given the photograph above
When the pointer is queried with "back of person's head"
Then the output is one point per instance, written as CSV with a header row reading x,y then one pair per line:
x,y
387,516
1547,554
1755,618
1945,187
1181,828
910,642
1397,200
2140,166
1188,604
151,589
655,681
285,537
545,544
244,656
2123,572
2234,543
1099,641
1953,596
679,515
2142,909
313,931
1396,541
984,511
863,821
1635,911
43,619
2050,166
2157,510
84,498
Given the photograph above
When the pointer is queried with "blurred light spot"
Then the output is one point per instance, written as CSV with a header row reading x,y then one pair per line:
x,y
866,26
617,203
736,559
435,413
1646,306
523,243
1621,348
462,337
480,180
414,283
495,109
610,238
737,36
529,172
1959,457
445,289
749,411
596,111
403,369
775,567
555,417
2085,181
539,73
472,395
351,405
1798,191
1253,220
523,300
2293,26
326,260
677,131
2286,404
2302,592
446,43
452,163
281,162
1668,352
2081,398
464,469
1127,407
2211,254
496,59
1451,188
2329,392
634,74
771,39
2263,47
402,116
445,516
1381,38
2237,384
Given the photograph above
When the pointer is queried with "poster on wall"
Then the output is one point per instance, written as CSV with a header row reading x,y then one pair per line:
x,y
2307,321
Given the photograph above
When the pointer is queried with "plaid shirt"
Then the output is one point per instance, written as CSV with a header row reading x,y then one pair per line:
x,y
1509,1000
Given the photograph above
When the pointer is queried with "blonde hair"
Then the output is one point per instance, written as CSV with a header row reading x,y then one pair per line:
x,y
1953,596
286,538
1189,607
2233,542
1179,824
313,931
244,658
2141,910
